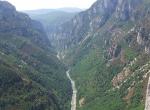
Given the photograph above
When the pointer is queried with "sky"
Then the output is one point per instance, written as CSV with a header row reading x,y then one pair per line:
x,y
50,4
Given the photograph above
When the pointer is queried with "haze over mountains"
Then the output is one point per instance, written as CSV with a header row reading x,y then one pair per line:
x,y
46,11
106,48
53,18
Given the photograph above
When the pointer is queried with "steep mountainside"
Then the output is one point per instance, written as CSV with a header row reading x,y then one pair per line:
x,y
107,48
31,77
93,19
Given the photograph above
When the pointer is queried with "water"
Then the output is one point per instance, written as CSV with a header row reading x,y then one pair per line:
x,y
74,90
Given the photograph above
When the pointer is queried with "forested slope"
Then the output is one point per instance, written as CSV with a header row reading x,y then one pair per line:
x,y
31,77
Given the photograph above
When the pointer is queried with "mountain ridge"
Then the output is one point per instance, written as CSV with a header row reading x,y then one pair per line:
x,y
46,11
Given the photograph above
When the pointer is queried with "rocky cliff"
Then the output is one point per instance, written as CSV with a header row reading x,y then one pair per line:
x,y
91,20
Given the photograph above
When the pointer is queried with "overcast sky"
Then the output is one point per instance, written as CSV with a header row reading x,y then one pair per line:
x,y
44,4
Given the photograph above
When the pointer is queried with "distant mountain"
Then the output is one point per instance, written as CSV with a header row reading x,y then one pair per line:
x,y
71,10
31,77
53,18
39,11
46,11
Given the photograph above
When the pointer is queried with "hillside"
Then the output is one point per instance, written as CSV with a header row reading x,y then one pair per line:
x,y
31,77
107,48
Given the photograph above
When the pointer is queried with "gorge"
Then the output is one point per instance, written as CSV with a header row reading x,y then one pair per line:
x,y
107,48
96,59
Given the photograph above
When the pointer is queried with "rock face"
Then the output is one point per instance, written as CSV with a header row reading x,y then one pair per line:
x,y
114,51
139,39
117,80
74,31
143,38
147,49
82,102
126,9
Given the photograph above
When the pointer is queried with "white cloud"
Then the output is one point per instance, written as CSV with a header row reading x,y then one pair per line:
x,y
44,4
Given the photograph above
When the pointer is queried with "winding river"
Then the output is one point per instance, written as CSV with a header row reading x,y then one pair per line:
x,y
74,90
74,95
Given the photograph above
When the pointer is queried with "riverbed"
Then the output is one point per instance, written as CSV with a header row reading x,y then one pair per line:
x,y
74,91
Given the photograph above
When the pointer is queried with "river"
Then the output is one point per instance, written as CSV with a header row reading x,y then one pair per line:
x,y
147,102
74,91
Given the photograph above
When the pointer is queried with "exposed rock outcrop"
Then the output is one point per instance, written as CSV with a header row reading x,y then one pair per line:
x,y
147,49
139,39
126,9
81,102
143,40
117,80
